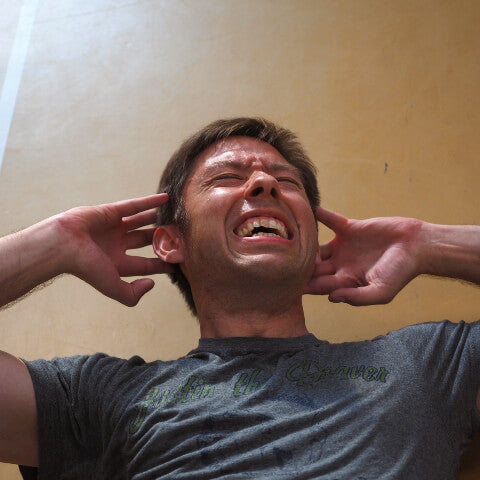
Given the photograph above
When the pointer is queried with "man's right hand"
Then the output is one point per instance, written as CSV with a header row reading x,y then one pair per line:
x,y
91,243
88,242
100,237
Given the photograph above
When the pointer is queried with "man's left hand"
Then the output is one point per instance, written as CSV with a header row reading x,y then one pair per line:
x,y
368,261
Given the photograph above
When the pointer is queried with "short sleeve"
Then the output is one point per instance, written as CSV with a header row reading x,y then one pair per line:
x,y
72,396
448,356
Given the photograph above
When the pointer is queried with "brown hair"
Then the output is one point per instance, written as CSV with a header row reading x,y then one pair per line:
x,y
180,165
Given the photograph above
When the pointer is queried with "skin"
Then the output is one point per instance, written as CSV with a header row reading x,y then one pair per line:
x,y
369,261
263,277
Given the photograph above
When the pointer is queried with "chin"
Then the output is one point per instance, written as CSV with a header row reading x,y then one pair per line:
x,y
271,269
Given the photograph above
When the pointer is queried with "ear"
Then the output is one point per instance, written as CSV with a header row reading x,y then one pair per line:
x,y
167,245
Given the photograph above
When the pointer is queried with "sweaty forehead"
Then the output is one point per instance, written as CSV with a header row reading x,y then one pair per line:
x,y
242,152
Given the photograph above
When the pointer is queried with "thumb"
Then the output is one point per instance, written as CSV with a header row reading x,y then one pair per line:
x,y
130,293
361,296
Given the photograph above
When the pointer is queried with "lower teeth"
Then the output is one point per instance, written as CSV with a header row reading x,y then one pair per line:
x,y
263,234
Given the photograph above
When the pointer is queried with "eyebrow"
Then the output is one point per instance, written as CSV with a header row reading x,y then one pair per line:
x,y
239,165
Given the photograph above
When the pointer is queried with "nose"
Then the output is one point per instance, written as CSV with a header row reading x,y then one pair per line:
x,y
261,183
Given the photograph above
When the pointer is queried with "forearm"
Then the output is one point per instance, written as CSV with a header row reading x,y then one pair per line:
x,y
451,251
29,258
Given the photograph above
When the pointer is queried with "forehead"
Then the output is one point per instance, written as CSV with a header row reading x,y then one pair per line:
x,y
241,152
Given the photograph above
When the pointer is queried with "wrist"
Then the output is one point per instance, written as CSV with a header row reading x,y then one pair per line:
x,y
29,258
427,261
63,243
451,251
415,236
45,247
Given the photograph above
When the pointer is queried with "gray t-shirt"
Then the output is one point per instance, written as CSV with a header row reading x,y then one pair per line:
x,y
400,406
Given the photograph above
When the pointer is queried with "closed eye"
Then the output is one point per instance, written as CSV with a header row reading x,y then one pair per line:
x,y
228,175
225,179
289,180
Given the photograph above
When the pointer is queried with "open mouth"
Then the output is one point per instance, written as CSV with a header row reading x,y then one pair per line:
x,y
263,227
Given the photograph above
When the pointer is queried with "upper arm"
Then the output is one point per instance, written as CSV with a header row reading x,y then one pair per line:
x,y
18,413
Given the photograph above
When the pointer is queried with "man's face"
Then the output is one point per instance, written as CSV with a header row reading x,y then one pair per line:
x,y
248,216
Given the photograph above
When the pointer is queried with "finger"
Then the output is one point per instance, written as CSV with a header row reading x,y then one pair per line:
x,y
334,221
140,219
326,250
138,288
322,285
361,296
130,293
127,208
103,276
324,267
139,238
139,266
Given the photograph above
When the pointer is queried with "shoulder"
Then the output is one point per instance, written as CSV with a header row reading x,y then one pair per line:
x,y
436,331
97,371
440,343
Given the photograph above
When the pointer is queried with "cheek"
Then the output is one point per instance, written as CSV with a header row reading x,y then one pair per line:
x,y
310,226
221,195
216,201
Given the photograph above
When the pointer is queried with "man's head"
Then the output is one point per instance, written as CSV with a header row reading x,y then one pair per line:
x,y
182,162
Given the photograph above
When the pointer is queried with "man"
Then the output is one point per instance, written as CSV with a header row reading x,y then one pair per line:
x,y
260,397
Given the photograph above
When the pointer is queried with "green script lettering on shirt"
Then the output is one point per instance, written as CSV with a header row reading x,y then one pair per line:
x,y
249,381
193,389
310,372
307,372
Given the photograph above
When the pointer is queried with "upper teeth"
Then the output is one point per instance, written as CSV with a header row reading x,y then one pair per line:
x,y
279,228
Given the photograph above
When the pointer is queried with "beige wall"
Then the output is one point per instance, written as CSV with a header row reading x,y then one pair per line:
x,y
385,96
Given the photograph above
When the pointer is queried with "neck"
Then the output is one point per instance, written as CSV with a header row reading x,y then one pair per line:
x,y
255,316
